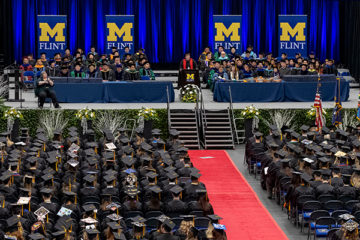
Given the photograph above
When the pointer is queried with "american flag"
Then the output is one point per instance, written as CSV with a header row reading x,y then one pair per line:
x,y
319,120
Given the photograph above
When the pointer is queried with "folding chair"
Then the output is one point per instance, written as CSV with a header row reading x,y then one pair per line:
x,y
308,208
326,197
313,217
345,198
323,221
349,205
177,222
299,206
131,214
333,205
153,214
357,215
197,213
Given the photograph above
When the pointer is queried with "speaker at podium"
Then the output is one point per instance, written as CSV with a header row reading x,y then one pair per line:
x,y
188,76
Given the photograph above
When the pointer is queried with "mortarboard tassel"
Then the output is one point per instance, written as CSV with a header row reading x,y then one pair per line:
x,y
94,214
3,204
56,166
164,148
22,210
29,207
47,218
75,199
70,184
95,149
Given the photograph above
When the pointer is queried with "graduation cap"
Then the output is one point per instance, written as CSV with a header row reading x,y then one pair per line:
x,y
128,161
114,225
258,134
47,177
89,208
92,231
92,145
174,132
46,190
72,162
156,131
340,154
281,153
139,130
109,178
89,178
304,128
138,219
176,190
128,150
124,140
12,221
170,224
36,236
130,171
272,144
172,175
306,177
195,174
308,160
146,147
151,175
295,135
214,217
114,217
350,225
155,189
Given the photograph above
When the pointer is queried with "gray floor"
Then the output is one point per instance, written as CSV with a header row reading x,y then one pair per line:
x,y
280,217
31,102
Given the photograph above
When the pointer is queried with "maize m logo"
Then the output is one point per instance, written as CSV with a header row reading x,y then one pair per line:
x,y
227,31
190,76
52,38
120,35
293,38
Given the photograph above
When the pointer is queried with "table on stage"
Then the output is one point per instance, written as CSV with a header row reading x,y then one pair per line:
x,y
115,92
278,92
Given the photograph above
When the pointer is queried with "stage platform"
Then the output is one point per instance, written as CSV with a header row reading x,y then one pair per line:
x,y
31,102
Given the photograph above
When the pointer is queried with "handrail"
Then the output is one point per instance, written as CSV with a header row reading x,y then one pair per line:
x,y
233,116
203,107
168,106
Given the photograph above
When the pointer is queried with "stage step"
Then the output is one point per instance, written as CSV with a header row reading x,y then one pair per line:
x,y
218,132
185,121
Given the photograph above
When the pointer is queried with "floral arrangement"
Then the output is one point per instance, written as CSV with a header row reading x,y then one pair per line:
x,y
85,113
189,93
13,113
148,114
311,114
250,112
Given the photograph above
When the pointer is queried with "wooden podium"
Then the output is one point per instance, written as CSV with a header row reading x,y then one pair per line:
x,y
188,76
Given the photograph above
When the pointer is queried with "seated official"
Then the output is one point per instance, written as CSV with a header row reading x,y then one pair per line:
x,y
26,66
188,62
249,53
131,73
38,68
119,72
247,72
44,89
233,54
44,59
146,71
52,70
329,67
78,73
106,73
64,72
92,72
221,75
303,70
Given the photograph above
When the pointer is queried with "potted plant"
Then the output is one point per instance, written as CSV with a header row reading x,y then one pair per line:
x,y
311,115
12,115
189,93
249,114
149,115
86,116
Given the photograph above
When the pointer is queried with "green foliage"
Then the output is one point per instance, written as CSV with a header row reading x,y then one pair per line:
x,y
31,118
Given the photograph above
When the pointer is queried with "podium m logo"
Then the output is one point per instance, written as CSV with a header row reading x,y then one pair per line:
x,y
190,76
222,31
115,32
287,31
57,32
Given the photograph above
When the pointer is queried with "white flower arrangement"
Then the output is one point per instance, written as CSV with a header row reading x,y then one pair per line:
x,y
189,93
13,113
148,114
85,113
311,114
250,112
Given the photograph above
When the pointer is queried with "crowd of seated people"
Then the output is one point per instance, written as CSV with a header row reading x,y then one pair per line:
x,y
314,175
237,66
111,188
111,67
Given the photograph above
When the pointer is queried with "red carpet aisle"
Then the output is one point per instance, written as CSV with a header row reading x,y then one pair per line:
x,y
233,199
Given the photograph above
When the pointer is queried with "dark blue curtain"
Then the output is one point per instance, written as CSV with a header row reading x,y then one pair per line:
x,y
168,28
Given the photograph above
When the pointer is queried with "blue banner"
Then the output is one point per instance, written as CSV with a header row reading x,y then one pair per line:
x,y
51,34
227,32
293,35
119,33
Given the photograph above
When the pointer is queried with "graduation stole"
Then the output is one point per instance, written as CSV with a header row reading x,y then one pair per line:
x,y
191,63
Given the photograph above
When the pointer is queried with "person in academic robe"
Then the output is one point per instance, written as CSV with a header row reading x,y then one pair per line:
x,y
188,63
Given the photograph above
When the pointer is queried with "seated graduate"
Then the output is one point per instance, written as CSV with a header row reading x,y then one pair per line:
x,y
64,72
106,73
303,70
131,73
188,62
77,72
92,72
44,89
119,72
147,71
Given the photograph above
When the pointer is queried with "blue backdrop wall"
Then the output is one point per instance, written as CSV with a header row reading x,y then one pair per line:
x,y
169,28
